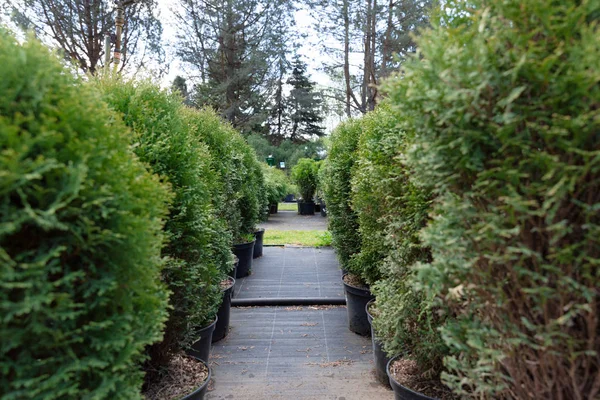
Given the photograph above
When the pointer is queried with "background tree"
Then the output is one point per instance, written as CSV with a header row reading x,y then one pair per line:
x,y
303,105
233,47
372,40
79,27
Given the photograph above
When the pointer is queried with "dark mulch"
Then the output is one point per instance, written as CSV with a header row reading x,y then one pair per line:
x,y
407,373
182,376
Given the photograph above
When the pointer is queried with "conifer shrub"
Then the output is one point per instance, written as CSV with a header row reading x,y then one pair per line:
x,y
305,176
391,211
163,139
226,163
277,184
80,237
504,110
337,188
253,196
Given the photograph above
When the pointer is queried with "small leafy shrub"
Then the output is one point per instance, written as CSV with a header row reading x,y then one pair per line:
x,y
504,110
163,139
277,185
337,175
305,176
80,238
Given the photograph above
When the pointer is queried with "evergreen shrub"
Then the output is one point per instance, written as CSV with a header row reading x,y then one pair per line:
x,y
163,138
337,188
80,237
226,164
277,185
391,211
504,110
305,176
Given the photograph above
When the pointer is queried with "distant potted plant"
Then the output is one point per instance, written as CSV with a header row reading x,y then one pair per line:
x,y
304,175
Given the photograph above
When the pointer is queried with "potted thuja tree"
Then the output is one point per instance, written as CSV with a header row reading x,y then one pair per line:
x,y
305,176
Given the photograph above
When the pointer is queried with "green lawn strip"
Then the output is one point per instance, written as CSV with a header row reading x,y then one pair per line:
x,y
288,207
300,238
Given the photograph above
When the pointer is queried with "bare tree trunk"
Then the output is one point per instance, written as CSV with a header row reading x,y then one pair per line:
x,y
346,12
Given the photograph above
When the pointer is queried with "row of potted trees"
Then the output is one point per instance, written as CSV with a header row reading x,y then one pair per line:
x,y
462,208
121,208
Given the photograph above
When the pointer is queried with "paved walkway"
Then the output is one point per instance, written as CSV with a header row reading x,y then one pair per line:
x,y
293,273
293,353
291,221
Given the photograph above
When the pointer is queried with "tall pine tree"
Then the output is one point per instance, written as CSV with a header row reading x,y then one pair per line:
x,y
303,105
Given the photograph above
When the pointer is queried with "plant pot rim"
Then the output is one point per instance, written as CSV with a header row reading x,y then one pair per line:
x,y
305,202
259,230
354,287
369,303
230,279
204,384
395,382
242,245
209,326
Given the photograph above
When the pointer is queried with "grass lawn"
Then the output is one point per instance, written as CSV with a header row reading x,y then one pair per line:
x,y
301,238
287,207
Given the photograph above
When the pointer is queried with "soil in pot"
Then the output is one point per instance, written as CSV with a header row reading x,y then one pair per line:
x,y
185,377
357,297
245,253
258,243
222,326
201,347
410,383
380,358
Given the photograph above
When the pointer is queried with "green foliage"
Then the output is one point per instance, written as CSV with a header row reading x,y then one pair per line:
x,y
226,164
80,238
163,138
337,174
305,176
286,151
391,211
277,185
504,110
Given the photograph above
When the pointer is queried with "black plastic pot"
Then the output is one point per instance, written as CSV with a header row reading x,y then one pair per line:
x,y
244,252
199,393
379,357
201,347
323,209
306,207
258,243
222,327
317,208
356,301
274,208
402,392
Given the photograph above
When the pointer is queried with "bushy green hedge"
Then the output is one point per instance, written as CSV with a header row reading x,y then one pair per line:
x,y
391,212
305,176
163,138
277,184
337,175
504,109
80,238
